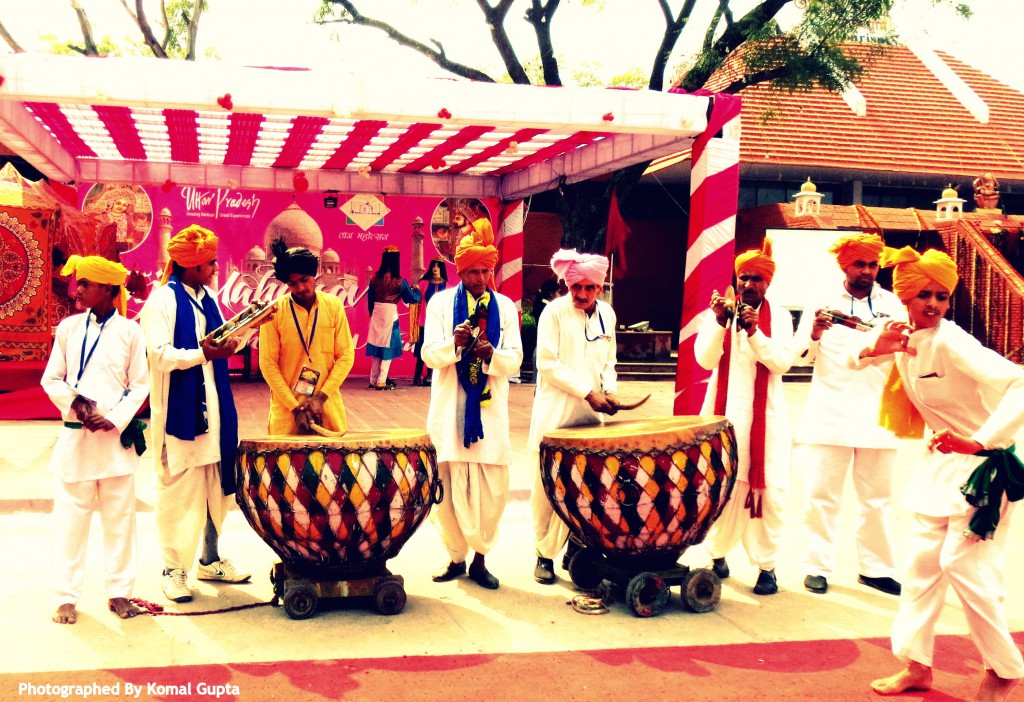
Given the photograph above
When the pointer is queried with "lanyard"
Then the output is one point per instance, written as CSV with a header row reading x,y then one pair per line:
x,y
83,359
312,332
870,308
600,320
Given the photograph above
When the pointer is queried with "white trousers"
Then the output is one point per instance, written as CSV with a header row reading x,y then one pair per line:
x,y
760,536
826,467
549,531
475,495
182,503
379,370
939,556
73,505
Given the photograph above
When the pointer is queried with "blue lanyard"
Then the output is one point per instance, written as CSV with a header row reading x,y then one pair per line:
x,y
600,320
83,358
870,308
312,332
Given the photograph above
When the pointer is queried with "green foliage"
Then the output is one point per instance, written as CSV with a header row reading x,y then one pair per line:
x,y
528,321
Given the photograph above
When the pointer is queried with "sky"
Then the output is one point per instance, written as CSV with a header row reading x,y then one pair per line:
x,y
621,36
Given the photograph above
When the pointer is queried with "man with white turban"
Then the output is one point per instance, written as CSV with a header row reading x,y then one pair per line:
x,y
749,345
471,339
195,425
840,426
98,379
576,382
973,400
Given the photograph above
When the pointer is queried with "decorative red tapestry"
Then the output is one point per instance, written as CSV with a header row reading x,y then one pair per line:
x,y
25,288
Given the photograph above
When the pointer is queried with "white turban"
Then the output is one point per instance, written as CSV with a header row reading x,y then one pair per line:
x,y
574,267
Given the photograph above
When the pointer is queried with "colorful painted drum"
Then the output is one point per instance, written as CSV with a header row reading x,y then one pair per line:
x,y
345,503
646,487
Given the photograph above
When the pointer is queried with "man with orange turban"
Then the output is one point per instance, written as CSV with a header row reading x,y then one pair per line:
x,y
97,378
840,426
973,400
471,339
195,426
748,346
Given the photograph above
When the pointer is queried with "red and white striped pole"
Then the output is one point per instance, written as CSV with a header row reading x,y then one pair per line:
x,y
710,248
509,274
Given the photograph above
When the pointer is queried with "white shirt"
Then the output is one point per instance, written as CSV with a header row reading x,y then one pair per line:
x,y
775,353
842,405
115,377
575,354
957,384
157,318
445,418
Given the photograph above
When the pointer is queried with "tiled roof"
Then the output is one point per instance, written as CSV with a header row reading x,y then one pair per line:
x,y
913,122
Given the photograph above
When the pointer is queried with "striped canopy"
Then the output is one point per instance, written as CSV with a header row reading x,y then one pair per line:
x,y
150,121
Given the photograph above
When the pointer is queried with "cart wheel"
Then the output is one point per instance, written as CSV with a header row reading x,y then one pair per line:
x,y
389,596
300,601
646,594
701,590
584,569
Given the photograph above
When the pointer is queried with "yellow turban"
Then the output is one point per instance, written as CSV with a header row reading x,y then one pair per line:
x,y
857,247
191,246
758,260
99,270
912,271
477,247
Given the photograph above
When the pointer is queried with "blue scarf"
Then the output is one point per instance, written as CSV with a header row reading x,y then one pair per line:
x,y
473,429
186,394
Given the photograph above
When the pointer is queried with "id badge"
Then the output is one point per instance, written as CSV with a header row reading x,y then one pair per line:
x,y
305,386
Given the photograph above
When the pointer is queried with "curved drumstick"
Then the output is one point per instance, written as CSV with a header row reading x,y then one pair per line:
x,y
633,405
327,433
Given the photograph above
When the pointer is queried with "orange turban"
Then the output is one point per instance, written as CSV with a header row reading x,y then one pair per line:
x,y
857,247
99,270
758,260
912,271
191,246
477,247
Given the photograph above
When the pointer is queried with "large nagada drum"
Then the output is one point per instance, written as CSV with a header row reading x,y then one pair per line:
x,y
640,488
347,503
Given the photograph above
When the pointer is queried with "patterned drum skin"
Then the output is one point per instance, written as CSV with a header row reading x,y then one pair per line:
x,y
641,487
345,503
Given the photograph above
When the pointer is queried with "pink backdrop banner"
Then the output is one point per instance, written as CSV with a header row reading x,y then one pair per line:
x,y
348,238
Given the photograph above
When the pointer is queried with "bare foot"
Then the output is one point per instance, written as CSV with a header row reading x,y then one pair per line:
x,y
994,688
122,607
66,614
915,676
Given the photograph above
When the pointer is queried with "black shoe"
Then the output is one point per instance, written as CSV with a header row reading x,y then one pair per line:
x,y
816,584
886,585
720,567
766,583
417,382
390,384
544,573
426,382
449,572
483,578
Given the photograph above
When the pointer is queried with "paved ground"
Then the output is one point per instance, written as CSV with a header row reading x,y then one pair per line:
x,y
439,618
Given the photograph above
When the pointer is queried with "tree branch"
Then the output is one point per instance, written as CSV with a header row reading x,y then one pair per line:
x,y
193,30
147,32
10,40
540,15
437,56
83,22
495,18
673,28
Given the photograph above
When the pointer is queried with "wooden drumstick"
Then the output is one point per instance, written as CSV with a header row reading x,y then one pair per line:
x,y
633,405
330,433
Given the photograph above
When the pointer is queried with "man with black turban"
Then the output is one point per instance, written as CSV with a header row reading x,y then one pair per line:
x,y
306,350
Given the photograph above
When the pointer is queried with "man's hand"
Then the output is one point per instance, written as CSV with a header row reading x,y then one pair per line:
x,y
483,349
721,307
82,408
462,334
894,338
822,323
95,422
225,349
315,407
947,441
748,319
302,419
598,402
613,402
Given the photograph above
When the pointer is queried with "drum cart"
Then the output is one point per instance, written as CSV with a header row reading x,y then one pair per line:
x,y
300,590
645,580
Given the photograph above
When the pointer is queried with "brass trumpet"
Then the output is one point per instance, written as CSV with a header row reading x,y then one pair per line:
x,y
244,320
